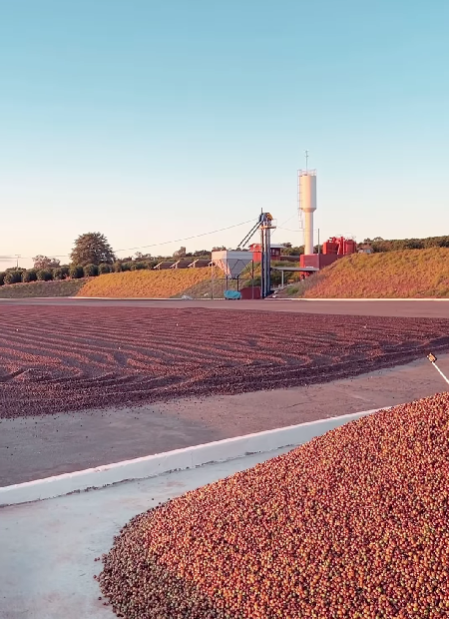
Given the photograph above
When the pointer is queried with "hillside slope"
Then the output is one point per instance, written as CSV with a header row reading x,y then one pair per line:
x,y
59,288
141,284
401,274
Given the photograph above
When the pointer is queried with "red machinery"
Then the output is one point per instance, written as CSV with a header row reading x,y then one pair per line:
x,y
339,246
333,249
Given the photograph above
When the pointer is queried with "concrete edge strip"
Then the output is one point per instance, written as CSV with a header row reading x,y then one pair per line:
x,y
140,299
178,459
295,300
368,299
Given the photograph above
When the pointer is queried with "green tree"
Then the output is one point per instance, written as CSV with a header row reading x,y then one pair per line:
x,y
29,276
180,253
44,262
91,270
13,276
104,268
76,272
45,275
60,273
92,248
139,266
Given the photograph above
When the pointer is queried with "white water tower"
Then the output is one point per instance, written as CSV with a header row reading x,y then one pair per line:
x,y
307,204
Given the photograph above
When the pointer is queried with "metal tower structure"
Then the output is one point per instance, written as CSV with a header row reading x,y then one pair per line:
x,y
265,225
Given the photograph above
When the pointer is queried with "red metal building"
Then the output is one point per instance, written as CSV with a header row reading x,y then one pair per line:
x,y
319,261
333,249
256,250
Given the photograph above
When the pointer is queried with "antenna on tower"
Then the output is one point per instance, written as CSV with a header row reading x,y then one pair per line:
x,y
307,160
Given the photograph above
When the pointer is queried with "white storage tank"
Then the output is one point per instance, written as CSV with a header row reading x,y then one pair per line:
x,y
307,204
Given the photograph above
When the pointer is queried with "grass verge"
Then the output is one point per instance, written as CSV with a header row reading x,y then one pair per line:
x,y
63,288
396,274
145,284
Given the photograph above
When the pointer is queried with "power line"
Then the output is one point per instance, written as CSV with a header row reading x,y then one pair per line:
x,y
187,238
287,220
288,229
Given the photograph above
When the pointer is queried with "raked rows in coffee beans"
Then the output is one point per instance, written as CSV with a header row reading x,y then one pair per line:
x,y
68,358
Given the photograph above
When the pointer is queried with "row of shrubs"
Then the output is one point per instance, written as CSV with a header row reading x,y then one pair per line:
x,y
401,244
134,265
16,276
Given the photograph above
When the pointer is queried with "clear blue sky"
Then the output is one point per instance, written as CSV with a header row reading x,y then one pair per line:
x,y
151,120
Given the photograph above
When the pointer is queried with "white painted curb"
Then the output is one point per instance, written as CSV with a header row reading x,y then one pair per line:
x,y
189,457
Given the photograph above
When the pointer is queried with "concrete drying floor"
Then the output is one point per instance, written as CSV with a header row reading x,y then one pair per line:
x,y
426,308
48,548
37,447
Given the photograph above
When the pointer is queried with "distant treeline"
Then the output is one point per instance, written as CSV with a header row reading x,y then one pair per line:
x,y
381,245
18,275
15,275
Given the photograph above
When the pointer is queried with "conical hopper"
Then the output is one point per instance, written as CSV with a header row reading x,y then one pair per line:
x,y
232,263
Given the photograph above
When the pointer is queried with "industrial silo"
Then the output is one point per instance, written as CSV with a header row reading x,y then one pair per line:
x,y
307,204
